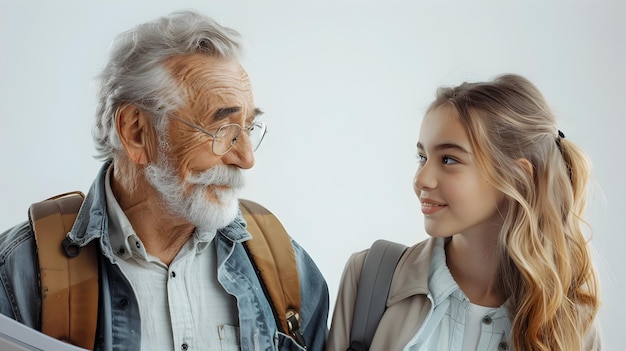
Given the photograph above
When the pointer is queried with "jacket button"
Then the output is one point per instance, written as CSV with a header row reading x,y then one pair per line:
x,y
503,346
184,346
487,320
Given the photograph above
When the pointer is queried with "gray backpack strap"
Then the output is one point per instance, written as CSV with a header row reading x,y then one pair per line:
x,y
372,292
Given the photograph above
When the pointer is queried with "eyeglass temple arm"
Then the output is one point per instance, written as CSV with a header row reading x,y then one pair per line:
x,y
193,126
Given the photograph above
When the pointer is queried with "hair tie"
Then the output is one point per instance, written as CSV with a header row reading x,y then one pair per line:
x,y
559,136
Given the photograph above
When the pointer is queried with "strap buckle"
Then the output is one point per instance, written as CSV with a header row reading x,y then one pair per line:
x,y
293,323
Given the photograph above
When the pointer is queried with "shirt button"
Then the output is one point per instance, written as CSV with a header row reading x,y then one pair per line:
x,y
503,346
173,275
487,320
184,346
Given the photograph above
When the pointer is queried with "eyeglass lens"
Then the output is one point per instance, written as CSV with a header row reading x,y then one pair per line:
x,y
256,132
226,136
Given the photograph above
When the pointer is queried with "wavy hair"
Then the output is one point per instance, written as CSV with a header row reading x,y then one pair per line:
x,y
135,73
546,269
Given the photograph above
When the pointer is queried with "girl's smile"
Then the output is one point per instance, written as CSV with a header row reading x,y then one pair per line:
x,y
430,207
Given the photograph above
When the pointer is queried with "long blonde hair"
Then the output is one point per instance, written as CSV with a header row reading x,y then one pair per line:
x,y
546,270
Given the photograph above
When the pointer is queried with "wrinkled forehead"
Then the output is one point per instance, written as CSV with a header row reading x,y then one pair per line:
x,y
211,83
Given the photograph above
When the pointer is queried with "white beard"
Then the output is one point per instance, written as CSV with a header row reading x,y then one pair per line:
x,y
194,205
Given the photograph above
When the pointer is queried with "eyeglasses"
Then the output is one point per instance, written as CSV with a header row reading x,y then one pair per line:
x,y
226,136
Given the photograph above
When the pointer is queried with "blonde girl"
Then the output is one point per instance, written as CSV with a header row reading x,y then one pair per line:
x,y
507,266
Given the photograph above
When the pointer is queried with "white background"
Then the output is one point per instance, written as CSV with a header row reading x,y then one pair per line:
x,y
344,86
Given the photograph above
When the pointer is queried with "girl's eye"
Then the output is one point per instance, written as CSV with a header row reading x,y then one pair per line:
x,y
421,158
448,160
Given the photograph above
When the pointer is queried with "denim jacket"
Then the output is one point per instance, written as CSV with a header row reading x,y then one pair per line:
x,y
119,324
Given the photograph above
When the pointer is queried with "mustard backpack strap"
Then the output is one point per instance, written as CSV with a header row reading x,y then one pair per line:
x,y
272,254
68,281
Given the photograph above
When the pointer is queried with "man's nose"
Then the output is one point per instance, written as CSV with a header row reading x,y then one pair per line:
x,y
241,154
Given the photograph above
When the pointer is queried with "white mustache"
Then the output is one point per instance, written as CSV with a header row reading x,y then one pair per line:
x,y
219,175
193,204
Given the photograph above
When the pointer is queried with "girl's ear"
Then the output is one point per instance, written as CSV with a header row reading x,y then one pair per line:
x,y
526,166
133,129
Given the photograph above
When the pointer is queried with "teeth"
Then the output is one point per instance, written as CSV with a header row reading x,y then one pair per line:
x,y
426,204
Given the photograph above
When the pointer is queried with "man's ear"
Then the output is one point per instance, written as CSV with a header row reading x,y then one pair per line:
x,y
526,166
133,130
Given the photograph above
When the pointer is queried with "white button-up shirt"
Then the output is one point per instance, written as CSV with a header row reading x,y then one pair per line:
x,y
183,306
454,323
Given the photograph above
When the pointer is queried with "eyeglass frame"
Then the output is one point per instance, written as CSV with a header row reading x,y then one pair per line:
x,y
214,136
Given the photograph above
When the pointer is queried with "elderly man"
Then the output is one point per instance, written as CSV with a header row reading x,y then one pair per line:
x,y
176,126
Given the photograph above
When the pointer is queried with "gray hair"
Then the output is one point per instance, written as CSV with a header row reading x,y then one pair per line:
x,y
135,73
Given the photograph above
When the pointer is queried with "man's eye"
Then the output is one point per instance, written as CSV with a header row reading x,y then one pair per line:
x,y
448,160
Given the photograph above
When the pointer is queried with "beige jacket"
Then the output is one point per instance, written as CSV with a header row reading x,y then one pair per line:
x,y
407,304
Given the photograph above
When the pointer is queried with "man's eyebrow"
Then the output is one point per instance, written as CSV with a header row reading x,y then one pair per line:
x,y
222,113
257,112
445,146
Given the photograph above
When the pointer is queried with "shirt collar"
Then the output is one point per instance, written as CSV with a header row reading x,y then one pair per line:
x,y
125,242
440,281
122,236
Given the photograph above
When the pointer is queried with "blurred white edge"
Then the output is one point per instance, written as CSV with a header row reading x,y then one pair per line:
x,y
15,336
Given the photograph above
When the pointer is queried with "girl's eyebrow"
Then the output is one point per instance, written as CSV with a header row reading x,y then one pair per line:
x,y
445,146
